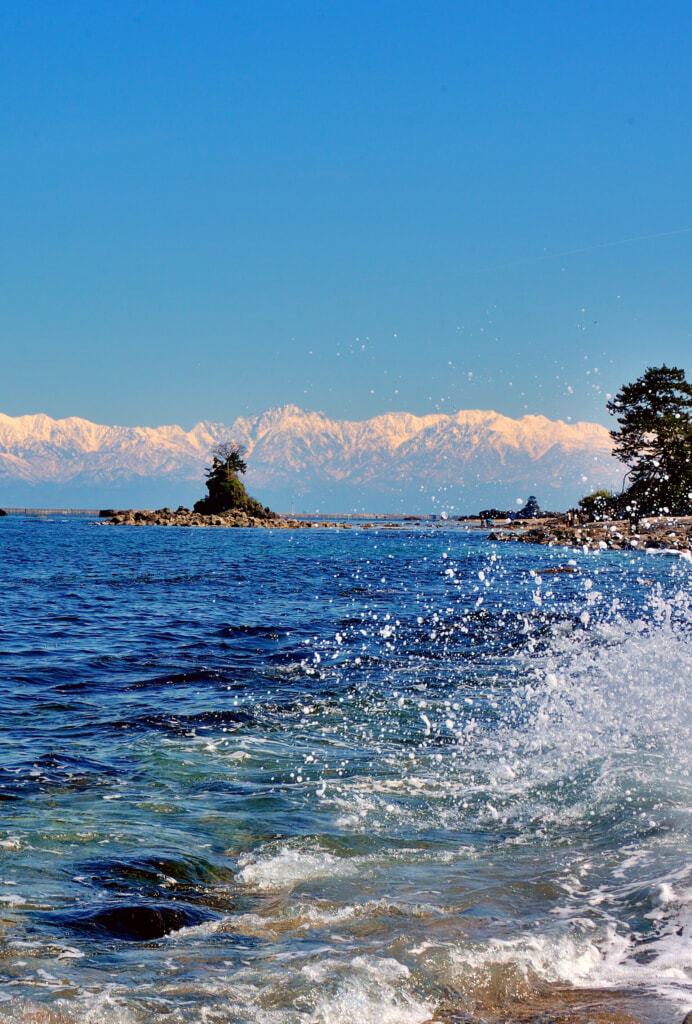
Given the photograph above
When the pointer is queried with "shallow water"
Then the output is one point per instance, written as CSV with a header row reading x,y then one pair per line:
x,y
339,776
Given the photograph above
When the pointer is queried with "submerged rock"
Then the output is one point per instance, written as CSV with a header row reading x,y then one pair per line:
x,y
137,922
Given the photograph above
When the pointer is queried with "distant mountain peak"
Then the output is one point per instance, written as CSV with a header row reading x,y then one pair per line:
x,y
392,460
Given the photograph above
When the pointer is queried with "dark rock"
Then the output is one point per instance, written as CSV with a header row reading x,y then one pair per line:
x,y
135,922
493,513
228,518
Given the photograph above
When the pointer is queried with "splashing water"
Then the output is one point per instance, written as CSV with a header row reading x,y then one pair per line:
x,y
345,777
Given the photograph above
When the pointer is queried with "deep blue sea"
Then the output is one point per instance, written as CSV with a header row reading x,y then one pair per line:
x,y
338,776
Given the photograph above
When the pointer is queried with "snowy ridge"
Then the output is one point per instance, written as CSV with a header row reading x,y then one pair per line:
x,y
395,458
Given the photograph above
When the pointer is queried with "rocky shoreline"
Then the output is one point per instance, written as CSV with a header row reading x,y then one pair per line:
x,y
652,533
239,518
184,517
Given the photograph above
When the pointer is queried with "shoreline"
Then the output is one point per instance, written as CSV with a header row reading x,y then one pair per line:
x,y
234,518
651,533
672,534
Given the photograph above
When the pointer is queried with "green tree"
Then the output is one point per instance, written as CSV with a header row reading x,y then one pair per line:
x,y
654,439
599,505
227,460
531,509
225,491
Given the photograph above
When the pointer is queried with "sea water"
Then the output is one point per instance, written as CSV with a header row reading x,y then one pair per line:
x,y
340,776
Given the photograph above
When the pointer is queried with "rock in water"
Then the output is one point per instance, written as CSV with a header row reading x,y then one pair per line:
x,y
136,922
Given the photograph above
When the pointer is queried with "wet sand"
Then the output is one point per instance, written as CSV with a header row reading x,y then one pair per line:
x,y
563,1006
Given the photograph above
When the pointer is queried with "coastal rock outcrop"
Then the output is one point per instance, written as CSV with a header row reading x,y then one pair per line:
x,y
653,533
184,517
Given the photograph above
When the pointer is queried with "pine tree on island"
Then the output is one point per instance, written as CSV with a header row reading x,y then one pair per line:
x,y
225,491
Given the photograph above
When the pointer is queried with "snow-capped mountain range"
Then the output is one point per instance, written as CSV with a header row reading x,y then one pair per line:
x,y
393,462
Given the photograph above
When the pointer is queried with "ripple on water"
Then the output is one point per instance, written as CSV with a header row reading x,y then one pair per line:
x,y
340,780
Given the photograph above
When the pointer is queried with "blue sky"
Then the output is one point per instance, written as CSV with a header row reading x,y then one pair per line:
x,y
213,208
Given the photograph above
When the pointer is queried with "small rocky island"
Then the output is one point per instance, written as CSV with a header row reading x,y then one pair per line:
x,y
227,503
184,517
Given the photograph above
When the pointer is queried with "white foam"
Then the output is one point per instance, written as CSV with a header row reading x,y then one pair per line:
x,y
600,961
302,916
560,959
290,866
366,990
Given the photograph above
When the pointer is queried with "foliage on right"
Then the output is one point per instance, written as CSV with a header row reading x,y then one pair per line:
x,y
654,439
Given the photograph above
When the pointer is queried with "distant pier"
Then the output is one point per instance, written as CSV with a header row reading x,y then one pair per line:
x,y
52,511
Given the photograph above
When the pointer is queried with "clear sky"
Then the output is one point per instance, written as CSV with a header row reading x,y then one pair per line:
x,y
211,208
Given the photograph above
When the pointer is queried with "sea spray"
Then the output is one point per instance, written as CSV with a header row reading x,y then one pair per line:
x,y
370,774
